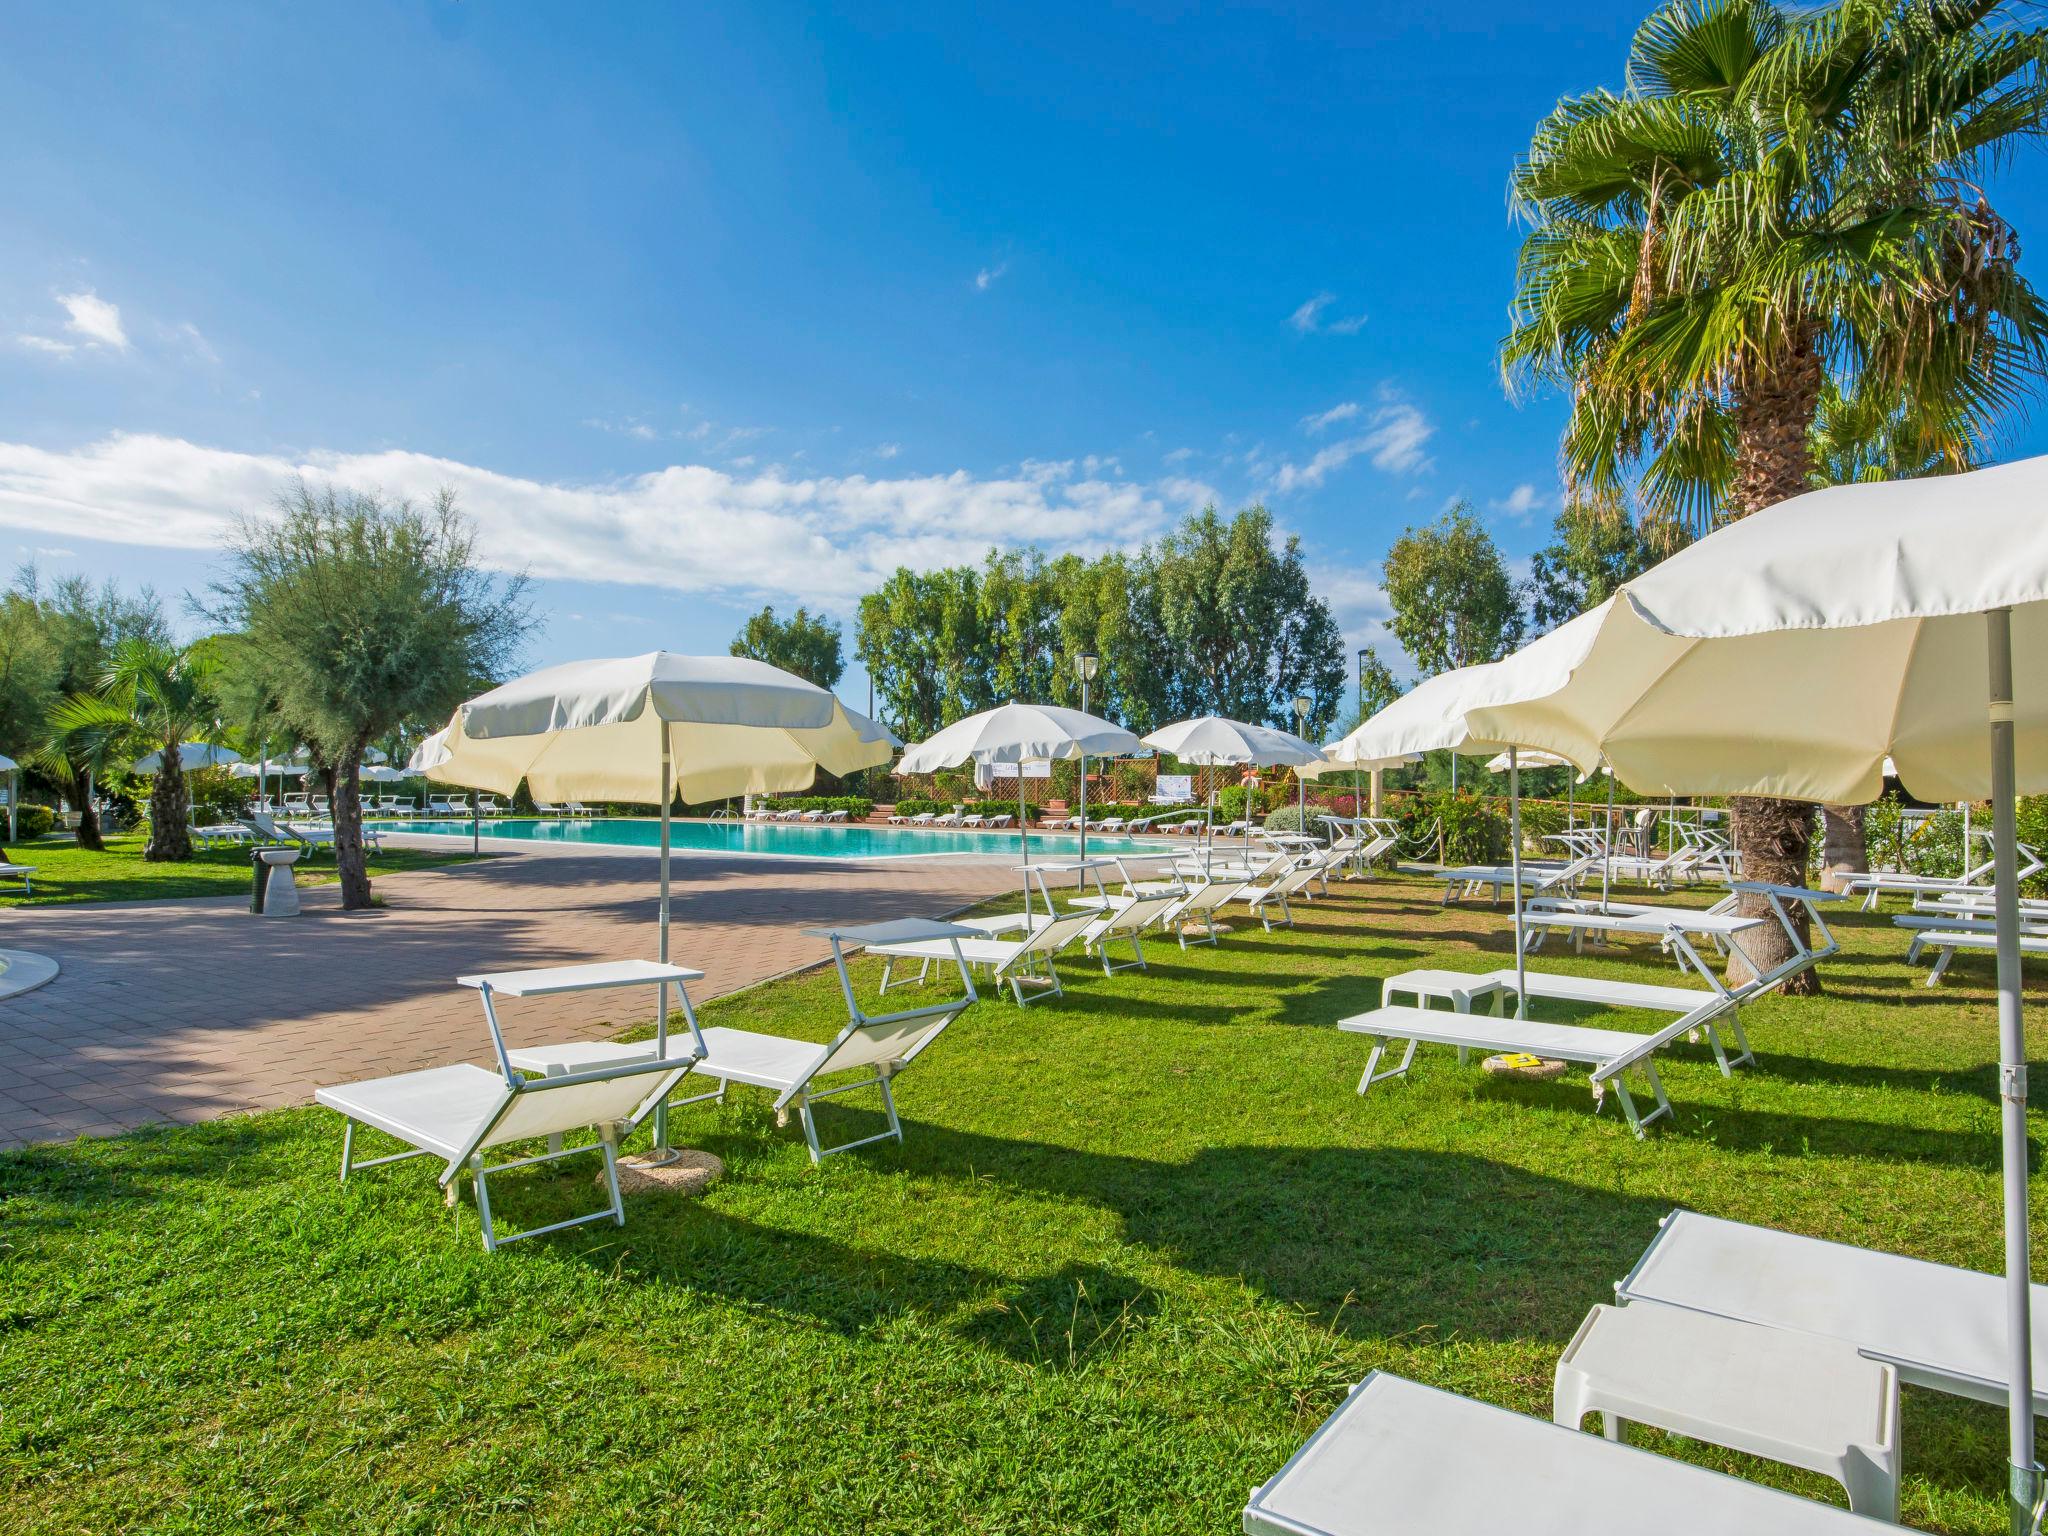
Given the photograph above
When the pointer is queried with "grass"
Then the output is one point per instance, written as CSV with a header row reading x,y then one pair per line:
x,y
1135,1248
65,872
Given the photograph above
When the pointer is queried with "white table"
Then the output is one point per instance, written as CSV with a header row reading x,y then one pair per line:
x,y
1798,1398
1458,988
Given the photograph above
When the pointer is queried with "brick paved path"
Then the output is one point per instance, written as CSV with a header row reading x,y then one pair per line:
x,y
181,1011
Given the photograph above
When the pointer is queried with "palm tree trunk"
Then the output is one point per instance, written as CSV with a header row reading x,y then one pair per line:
x,y
1774,407
1844,851
78,790
170,812
345,789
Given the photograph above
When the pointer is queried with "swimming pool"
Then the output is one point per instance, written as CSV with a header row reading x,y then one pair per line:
x,y
804,840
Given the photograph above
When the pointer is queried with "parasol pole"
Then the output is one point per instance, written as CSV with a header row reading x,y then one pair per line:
x,y
2024,1475
1515,860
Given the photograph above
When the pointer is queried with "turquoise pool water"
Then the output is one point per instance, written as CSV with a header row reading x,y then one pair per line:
x,y
787,839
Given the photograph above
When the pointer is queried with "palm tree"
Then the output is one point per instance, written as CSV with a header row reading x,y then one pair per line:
x,y
153,697
1778,202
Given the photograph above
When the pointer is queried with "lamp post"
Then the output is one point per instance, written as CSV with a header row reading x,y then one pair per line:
x,y
1087,664
1301,708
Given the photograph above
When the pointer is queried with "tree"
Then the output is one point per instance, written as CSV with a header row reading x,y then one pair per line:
x,y
803,643
1212,618
1454,603
920,639
1248,633
1779,199
86,624
358,616
1594,547
154,696
1377,686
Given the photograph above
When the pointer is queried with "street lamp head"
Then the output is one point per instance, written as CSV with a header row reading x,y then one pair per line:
x,y
1087,663
1301,706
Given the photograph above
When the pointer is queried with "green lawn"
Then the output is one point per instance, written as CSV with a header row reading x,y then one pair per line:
x,y
1136,1247
65,872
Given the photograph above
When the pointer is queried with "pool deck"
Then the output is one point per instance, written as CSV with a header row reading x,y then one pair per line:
x,y
183,1011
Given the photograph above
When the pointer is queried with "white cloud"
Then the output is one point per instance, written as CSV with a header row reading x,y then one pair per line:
x,y
1309,318
1399,434
887,450
1306,318
986,277
95,319
689,527
1294,477
1324,420
1520,504
45,344
631,426
1183,493
1178,456
1394,442
187,335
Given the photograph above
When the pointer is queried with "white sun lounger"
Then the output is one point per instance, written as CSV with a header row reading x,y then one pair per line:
x,y
1610,1052
459,1113
1946,941
1127,920
1015,961
25,873
1537,878
1263,897
880,1046
1650,997
1401,1459
1975,880
1941,1326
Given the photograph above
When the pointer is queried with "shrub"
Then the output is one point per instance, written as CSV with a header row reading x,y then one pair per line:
x,y
31,822
1289,819
1472,833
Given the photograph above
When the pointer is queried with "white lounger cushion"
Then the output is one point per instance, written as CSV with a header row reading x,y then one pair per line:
x,y
1942,1327
1401,1459
1565,1042
438,1109
1604,990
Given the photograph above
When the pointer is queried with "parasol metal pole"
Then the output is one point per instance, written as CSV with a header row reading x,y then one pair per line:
x,y
1607,843
1515,862
2023,1472
662,1151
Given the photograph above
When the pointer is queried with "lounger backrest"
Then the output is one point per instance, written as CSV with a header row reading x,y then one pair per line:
x,y
1707,1013
1214,894
891,1041
551,1106
1142,913
1049,938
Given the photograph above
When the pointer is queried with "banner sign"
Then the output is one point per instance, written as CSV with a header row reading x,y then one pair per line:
x,y
1176,786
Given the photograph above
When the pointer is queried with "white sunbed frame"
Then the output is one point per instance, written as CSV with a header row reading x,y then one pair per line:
x,y
459,1113
1014,961
1972,881
1941,1326
1400,1459
1673,927
1470,879
1610,1052
1946,941
882,1045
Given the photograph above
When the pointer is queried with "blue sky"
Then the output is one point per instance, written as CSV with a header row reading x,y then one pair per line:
x,y
699,307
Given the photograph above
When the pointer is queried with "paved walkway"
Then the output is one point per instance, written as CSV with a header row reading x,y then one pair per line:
x,y
182,1011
